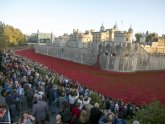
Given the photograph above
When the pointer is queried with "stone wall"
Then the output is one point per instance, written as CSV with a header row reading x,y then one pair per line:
x,y
79,55
154,50
150,61
126,57
119,57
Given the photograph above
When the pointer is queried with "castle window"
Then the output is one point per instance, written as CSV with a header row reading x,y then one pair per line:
x,y
126,39
106,54
113,54
126,55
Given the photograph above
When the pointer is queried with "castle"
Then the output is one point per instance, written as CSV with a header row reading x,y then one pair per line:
x,y
108,49
78,39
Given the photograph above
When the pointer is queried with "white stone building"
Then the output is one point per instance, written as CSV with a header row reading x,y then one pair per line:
x,y
123,36
61,40
81,40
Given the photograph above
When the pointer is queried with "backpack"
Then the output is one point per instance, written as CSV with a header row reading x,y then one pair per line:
x,y
29,96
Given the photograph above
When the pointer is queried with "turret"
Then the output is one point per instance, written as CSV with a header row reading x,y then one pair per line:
x,y
115,26
130,30
102,28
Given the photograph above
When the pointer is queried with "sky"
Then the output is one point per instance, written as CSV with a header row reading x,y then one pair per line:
x,y
62,16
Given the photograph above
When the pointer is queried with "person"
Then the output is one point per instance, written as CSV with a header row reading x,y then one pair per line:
x,y
58,119
76,113
55,106
83,119
110,118
11,104
4,116
26,119
40,111
73,98
86,102
51,93
95,114
107,118
16,98
21,93
136,122
66,114
62,100
80,100
119,120
29,96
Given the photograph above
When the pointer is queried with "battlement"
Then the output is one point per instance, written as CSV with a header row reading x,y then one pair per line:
x,y
122,34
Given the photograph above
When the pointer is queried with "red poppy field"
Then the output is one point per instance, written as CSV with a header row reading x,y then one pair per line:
x,y
137,87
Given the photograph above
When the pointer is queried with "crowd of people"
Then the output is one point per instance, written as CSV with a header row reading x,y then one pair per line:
x,y
45,92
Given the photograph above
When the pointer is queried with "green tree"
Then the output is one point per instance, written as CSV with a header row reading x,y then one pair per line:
x,y
153,113
95,98
11,36
3,42
150,37
138,36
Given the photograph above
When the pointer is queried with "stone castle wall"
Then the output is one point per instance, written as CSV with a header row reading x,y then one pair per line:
x,y
126,57
122,57
148,61
79,55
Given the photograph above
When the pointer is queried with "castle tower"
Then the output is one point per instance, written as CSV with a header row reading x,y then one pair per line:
x,y
115,26
130,30
102,28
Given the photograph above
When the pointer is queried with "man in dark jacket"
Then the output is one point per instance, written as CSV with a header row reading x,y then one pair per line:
x,y
16,98
11,104
95,114
29,96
